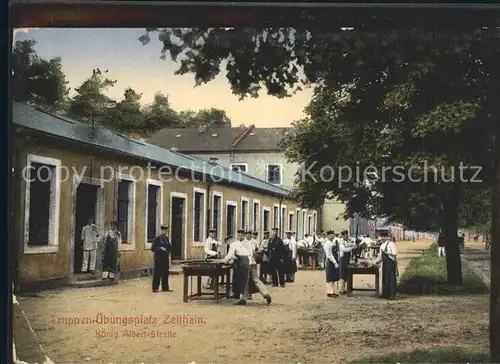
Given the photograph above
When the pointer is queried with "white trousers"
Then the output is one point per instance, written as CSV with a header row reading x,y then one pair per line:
x,y
441,251
89,255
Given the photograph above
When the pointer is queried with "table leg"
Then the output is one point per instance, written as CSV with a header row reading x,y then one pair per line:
x,y
377,282
349,282
216,289
186,284
228,285
313,262
198,286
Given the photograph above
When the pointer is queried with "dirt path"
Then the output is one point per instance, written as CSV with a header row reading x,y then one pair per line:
x,y
302,325
479,260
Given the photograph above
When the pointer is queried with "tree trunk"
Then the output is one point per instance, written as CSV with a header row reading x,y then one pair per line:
x,y
450,228
495,257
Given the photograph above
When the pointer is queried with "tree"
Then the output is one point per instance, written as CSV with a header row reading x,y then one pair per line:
x,y
206,117
400,96
126,115
90,104
37,80
444,85
159,115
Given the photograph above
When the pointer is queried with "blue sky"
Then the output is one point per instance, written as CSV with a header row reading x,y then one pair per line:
x,y
137,66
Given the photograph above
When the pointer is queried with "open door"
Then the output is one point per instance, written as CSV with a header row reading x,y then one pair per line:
x,y
177,227
86,202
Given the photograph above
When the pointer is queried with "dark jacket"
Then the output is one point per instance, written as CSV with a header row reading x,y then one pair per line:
x,y
159,254
276,249
441,242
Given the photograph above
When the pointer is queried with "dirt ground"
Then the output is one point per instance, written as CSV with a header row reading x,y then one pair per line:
x,y
301,325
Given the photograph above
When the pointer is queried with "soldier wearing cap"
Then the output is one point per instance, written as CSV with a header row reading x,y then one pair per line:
x,y
212,248
161,249
255,284
240,256
277,255
264,266
291,263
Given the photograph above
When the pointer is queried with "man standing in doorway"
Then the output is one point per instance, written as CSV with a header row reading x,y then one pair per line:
x,y
277,255
90,233
161,249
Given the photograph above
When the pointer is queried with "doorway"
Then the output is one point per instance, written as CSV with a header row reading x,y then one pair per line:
x,y
86,206
231,221
177,231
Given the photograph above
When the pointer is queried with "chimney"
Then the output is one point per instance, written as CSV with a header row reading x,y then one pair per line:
x,y
243,134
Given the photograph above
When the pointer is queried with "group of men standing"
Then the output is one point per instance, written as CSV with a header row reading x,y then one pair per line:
x,y
339,250
276,256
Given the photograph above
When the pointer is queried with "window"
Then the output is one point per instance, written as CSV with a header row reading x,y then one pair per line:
x,y
309,225
274,173
275,216
198,214
154,208
213,160
42,176
290,221
255,219
265,219
239,167
217,214
282,220
244,213
315,227
124,210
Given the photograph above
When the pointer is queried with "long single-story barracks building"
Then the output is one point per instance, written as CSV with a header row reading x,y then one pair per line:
x,y
64,171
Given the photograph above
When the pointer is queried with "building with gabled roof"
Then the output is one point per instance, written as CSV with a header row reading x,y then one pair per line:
x,y
251,150
65,171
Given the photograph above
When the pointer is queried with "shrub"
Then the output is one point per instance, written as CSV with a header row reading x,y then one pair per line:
x,y
427,275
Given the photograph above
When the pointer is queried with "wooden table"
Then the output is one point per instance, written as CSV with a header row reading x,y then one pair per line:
x,y
199,270
350,271
309,255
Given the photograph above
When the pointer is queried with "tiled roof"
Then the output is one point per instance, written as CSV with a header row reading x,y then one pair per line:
x,y
190,139
219,139
262,139
31,118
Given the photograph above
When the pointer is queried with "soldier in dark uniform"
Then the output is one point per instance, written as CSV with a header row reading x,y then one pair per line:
x,y
277,256
161,249
264,266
